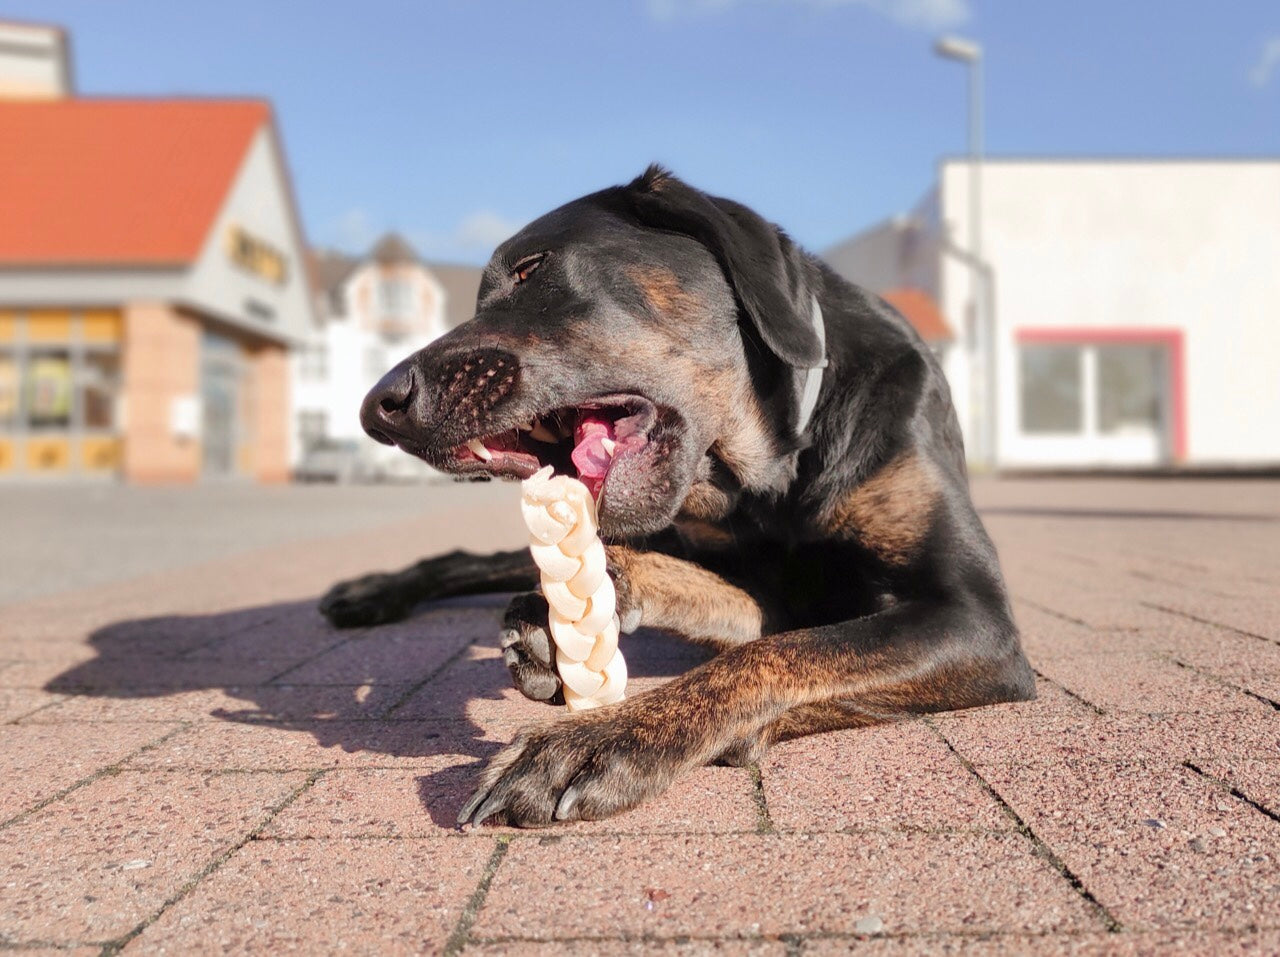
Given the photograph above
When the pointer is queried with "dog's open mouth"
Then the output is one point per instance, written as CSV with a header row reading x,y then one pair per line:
x,y
584,440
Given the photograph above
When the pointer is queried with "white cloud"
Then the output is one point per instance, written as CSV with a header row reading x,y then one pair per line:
x,y
921,14
1267,63
353,230
472,238
485,228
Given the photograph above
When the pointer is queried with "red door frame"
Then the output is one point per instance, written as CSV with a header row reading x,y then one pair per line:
x,y
1173,339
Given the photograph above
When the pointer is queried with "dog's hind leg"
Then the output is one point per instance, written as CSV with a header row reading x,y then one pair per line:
x,y
391,596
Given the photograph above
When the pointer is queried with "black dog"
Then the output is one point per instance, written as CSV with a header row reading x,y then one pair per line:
x,y
779,471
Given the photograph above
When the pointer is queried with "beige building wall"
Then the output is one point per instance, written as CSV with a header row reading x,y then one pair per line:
x,y
161,369
269,386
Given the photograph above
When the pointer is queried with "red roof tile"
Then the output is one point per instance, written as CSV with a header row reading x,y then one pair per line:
x,y
919,309
97,182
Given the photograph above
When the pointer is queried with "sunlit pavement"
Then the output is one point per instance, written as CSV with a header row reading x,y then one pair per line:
x,y
193,761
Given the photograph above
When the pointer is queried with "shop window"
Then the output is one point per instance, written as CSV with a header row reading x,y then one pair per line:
x,y
8,391
1051,389
48,390
1130,388
99,380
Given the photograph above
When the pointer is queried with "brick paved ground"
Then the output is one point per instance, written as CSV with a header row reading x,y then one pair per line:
x,y
192,761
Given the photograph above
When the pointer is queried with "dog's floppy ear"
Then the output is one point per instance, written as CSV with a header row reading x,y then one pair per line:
x,y
757,258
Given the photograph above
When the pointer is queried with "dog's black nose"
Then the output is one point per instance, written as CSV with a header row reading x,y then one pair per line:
x,y
385,411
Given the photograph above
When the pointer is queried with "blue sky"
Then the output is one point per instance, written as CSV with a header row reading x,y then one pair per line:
x,y
456,121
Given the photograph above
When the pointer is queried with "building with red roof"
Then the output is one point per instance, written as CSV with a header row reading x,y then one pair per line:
x,y
152,280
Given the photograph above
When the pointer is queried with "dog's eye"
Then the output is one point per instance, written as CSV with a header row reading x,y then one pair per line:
x,y
526,268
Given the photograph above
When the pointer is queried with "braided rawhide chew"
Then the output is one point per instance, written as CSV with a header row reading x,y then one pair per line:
x,y
561,516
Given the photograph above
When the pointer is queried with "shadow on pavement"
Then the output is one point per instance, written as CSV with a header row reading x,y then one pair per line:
x,y
432,685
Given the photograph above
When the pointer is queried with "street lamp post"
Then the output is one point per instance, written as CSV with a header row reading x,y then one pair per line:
x,y
984,381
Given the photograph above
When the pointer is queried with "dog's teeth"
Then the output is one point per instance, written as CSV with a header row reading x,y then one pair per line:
x,y
482,453
528,426
541,432
608,445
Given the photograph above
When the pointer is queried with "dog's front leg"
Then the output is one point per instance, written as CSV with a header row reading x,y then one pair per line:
x,y
657,590
654,590
390,596
911,659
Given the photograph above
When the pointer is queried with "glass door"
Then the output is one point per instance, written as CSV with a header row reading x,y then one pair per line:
x,y
221,372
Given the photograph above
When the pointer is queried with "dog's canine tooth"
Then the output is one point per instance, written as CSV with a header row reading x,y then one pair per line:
x,y
608,445
478,447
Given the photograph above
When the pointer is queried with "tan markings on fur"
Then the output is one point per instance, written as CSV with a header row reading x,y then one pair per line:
x,y
685,598
705,502
701,534
746,446
663,292
890,512
817,719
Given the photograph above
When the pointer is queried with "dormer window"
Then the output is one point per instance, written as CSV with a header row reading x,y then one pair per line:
x,y
395,297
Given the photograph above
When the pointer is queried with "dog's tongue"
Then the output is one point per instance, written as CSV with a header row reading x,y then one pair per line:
x,y
589,455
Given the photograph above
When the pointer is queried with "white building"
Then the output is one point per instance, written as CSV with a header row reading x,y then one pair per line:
x,y
1135,307
372,312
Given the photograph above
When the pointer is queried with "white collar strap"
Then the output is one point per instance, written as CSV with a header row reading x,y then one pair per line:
x,y
811,379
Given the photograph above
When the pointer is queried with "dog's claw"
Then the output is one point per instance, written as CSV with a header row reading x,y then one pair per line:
x,y
568,801
472,803
492,806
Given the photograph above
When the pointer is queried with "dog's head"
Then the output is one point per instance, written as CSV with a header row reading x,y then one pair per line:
x,y
644,338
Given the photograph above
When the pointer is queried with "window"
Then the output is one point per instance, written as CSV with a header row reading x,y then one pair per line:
x,y
8,391
314,363
48,392
99,378
375,363
1130,387
1051,390
395,297
312,428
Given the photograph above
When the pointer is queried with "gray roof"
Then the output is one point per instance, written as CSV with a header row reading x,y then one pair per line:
x,y
393,248
902,251
329,268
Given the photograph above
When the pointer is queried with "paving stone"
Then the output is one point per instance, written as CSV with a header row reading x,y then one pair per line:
x,y
1158,846
250,704
115,675
315,744
1053,728
677,948
1252,944
882,777
395,658
41,760
1259,781
751,885
384,897
1144,684
93,865
1205,736
16,703
425,801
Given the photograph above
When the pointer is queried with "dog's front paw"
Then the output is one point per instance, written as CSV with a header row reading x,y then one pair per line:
x,y
584,767
370,600
528,651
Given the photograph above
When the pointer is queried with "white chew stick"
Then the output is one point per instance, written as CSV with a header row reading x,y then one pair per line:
x,y
561,517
